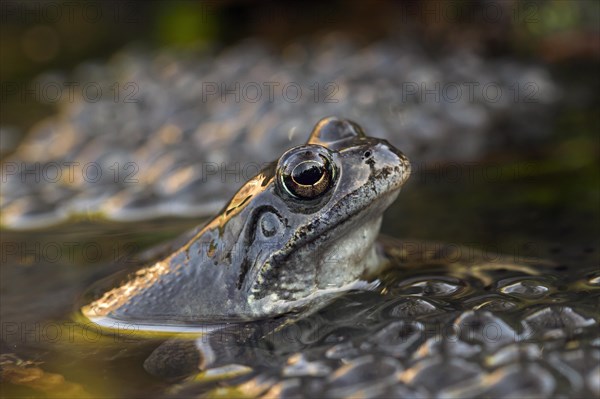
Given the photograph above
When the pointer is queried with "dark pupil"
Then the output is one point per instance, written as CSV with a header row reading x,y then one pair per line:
x,y
307,173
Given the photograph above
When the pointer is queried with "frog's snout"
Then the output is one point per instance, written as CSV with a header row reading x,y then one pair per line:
x,y
392,163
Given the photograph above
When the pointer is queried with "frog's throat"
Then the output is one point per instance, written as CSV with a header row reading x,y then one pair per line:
x,y
352,257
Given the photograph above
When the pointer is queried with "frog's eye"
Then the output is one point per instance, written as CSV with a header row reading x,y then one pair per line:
x,y
332,129
306,172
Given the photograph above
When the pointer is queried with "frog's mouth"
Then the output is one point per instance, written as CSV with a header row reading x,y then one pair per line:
x,y
338,260
356,208
336,256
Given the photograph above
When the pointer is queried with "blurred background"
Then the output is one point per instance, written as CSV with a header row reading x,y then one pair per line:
x,y
541,56
39,36
517,174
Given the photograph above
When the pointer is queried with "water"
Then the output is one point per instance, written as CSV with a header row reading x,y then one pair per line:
x,y
446,322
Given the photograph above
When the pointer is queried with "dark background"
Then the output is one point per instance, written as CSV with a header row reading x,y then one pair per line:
x,y
38,36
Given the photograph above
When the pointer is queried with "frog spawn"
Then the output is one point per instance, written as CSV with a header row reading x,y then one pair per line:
x,y
449,337
170,140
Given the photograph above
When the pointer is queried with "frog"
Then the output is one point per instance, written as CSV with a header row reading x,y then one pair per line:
x,y
304,286
301,231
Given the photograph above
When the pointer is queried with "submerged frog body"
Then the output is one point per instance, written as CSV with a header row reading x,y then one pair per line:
x,y
299,231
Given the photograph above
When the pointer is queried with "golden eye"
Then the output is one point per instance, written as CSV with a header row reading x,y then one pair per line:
x,y
306,172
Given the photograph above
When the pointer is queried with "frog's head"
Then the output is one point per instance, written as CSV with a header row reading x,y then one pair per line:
x,y
314,229
302,228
